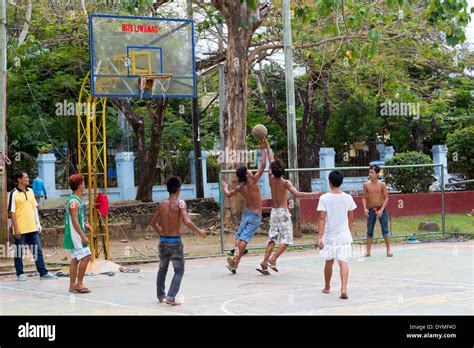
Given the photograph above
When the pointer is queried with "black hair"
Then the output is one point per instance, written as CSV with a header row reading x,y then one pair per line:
x,y
336,178
278,168
18,175
375,167
173,184
34,174
241,173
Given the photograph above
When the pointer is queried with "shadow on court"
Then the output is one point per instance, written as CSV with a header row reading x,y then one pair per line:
x,y
422,279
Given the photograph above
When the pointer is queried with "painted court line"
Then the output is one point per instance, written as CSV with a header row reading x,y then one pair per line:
x,y
410,299
90,300
223,306
465,285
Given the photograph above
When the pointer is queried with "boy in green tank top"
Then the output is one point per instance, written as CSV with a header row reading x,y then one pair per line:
x,y
74,237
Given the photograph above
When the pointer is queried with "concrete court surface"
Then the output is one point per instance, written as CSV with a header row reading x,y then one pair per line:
x,y
421,279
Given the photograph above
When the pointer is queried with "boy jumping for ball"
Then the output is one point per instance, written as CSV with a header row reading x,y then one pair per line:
x,y
376,193
336,214
170,213
281,226
252,215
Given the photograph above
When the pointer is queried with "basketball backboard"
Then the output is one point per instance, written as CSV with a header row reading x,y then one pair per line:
x,y
131,53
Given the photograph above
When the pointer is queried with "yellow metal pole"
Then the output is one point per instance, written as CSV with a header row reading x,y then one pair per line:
x,y
81,127
104,149
95,173
92,154
89,174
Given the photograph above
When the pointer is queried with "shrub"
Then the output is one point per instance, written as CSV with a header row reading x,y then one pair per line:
x,y
409,180
461,151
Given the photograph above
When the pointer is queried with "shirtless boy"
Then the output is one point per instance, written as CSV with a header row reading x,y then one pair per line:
x,y
252,215
170,214
374,201
281,226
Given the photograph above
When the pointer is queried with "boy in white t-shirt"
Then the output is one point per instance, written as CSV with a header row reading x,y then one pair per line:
x,y
336,210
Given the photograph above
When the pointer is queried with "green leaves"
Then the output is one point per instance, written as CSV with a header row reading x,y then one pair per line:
x,y
409,180
461,148
252,4
203,25
374,35
212,19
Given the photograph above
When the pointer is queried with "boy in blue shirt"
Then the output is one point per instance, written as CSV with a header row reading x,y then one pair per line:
x,y
38,188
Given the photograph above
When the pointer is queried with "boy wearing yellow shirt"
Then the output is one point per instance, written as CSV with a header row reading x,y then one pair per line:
x,y
22,207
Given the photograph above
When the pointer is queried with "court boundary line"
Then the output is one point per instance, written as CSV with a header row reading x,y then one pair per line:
x,y
223,306
93,301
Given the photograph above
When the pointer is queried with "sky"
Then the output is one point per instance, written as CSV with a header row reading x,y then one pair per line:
x,y
470,27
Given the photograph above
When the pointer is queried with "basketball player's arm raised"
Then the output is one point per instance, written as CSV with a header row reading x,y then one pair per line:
x,y
300,194
154,221
187,221
270,159
270,153
263,147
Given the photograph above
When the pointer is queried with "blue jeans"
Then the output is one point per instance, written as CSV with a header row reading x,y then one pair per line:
x,y
248,225
33,241
372,219
170,251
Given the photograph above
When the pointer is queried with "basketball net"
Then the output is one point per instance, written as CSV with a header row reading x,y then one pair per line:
x,y
151,82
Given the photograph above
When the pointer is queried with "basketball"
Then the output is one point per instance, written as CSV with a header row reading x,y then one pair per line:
x,y
259,131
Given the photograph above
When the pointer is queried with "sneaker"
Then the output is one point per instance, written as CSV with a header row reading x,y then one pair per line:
x,y
21,278
49,276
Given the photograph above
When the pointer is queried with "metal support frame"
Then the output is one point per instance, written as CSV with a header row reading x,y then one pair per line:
x,y
92,162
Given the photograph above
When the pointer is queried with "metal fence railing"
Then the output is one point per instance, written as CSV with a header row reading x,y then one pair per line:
x,y
419,205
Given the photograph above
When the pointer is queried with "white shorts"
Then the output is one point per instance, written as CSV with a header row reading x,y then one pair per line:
x,y
340,252
80,253
281,226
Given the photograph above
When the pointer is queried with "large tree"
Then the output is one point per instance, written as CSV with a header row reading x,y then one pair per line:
x,y
373,51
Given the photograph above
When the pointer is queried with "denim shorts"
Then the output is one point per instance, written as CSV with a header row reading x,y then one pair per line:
x,y
248,225
372,219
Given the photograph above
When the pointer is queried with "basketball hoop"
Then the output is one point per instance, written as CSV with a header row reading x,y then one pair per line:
x,y
150,82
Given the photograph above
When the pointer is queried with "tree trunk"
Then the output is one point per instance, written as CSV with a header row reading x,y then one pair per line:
x,y
418,136
321,120
304,155
236,76
147,157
